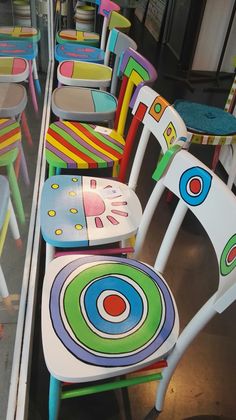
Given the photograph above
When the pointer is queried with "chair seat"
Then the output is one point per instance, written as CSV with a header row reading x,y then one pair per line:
x,y
105,316
83,104
10,135
13,99
20,32
13,69
78,52
84,211
80,73
24,49
5,195
206,119
71,144
77,37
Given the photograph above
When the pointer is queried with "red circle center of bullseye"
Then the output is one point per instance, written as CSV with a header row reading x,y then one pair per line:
x,y
114,305
232,254
195,186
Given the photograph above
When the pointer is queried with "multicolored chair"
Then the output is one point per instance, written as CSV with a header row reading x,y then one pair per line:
x,y
71,144
79,73
78,52
105,7
27,50
211,125
77,103
81,211
7,216
10,136
104,317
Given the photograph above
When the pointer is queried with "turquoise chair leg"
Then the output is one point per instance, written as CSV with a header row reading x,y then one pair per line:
x,y
54,398
16,197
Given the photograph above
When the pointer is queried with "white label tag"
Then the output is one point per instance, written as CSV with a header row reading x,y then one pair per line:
x,y
111,192
103,130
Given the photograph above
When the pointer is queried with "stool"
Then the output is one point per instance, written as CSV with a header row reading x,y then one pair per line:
x,y
10,137
28,51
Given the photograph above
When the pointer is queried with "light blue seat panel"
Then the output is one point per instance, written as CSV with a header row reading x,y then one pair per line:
x,y
79,52
23,49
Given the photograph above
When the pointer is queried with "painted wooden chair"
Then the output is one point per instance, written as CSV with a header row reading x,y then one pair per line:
x,y
21,49
104,317
81,211
90,38
79,73
10,136
25,34
7,217
77,103
211,125
70,51
71,144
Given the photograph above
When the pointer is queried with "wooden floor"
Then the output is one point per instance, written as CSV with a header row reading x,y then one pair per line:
x,y
203,386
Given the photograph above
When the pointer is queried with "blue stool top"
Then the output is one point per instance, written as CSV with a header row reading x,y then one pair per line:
x,y
4,197
206,119
23,49
79,52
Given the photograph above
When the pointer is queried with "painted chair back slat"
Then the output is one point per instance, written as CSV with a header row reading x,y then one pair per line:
x,y
137,69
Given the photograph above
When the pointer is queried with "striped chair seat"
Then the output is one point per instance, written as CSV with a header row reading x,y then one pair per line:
x,y
78,37
71,144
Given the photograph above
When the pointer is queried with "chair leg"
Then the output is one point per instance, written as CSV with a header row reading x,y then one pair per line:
x,y
3,285
36,78
232,170
14,226
26,129
54,398
15,193
32,89
215,159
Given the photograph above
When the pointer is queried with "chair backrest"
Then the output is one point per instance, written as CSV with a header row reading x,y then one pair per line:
x,y
231,100
159,118
214,205
135,70
105,9
117,43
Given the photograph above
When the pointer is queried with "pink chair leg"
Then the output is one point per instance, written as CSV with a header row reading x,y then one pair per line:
x,y
215,157
32,88
26,129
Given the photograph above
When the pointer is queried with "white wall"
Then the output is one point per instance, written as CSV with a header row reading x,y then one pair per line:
x,y
211,38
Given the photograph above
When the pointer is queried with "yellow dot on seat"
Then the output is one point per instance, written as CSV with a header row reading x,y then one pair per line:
x,y
51,213
78,227
55,186
58,231
72,193
74,211
74,179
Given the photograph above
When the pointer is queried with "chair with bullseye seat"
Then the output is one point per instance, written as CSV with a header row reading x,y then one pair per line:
x,y
104,317
87,211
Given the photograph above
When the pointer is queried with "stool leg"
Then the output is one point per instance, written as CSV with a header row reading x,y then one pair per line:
x,y
54,398
215,157
14,226
3,285
23,166
15,193
26,129
32,89
36,78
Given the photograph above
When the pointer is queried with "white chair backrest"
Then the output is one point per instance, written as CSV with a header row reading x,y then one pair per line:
x,y
159,118
213,204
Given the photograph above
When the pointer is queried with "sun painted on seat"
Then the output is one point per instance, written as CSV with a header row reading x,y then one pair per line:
x,y
73,207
